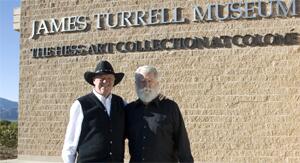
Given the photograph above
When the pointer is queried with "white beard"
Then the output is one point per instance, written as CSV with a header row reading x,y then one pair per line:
x,y
147,94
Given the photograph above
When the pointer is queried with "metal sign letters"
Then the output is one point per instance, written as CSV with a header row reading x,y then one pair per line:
x,y
164,16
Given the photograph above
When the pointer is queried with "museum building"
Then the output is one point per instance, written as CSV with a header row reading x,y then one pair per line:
x,y
233,67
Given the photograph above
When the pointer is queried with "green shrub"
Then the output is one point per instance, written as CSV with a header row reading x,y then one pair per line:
x,y
9,134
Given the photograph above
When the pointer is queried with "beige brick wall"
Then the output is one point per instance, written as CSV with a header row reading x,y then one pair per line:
x,y
240,105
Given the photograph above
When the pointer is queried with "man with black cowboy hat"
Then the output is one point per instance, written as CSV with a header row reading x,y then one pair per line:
x,y
95,132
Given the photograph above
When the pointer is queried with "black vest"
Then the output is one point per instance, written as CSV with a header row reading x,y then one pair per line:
x,y
102,136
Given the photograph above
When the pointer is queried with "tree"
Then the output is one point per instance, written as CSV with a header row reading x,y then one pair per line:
x,y
8,134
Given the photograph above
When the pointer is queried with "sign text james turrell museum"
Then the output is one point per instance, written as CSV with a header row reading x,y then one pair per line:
x,y
233,67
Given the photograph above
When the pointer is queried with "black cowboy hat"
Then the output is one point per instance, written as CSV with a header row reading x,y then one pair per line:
x,y
103,67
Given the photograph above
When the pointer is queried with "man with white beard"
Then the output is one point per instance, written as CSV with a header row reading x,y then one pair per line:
x,y
154,125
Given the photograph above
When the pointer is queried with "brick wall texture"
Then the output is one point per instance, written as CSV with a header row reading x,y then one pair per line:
x,y
240,104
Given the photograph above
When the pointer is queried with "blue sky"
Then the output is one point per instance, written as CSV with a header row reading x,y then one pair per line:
x,y
9,51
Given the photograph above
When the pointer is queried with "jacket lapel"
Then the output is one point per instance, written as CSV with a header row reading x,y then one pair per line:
x,y
112,108
99,103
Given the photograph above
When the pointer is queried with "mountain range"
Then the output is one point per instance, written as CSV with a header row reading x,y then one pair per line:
x,y
8,110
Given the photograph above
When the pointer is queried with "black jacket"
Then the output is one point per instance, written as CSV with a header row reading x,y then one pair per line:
x,y
156,132
102,136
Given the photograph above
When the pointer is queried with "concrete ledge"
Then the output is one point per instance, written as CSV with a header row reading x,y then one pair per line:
x,y
34,159
17,19
24,161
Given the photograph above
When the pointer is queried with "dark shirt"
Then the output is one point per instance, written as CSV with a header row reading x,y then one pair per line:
x,y
156,132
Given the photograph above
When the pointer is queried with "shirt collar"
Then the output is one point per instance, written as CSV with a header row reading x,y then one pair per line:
x,y
102,98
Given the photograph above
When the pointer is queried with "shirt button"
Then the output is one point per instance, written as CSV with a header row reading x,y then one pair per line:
x,y
110,153
143,148
144,137
110,142
145,126
143,159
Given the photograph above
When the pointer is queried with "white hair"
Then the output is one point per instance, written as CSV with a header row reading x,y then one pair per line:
x,y
146,94
145,70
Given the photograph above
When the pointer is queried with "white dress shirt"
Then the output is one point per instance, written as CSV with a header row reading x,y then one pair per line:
x,y
74,127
